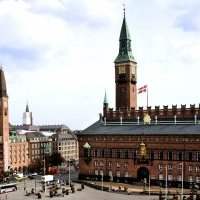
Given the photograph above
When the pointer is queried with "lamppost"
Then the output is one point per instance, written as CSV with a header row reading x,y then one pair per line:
x,y
166,189
145,182
182,181
102,180
69,177
45,151
149,185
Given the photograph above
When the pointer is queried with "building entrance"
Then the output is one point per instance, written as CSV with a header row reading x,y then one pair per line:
x,y
142,174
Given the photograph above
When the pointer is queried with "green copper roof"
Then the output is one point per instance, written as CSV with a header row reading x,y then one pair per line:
x,y
124,34
125,51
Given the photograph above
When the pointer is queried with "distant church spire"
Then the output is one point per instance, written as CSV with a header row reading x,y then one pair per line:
x,y
27,108
27,117
125,51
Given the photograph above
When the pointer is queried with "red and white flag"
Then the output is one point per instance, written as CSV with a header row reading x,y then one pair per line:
x,y
142,89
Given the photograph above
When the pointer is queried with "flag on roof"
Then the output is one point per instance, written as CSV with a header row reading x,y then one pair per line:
x,y
142,89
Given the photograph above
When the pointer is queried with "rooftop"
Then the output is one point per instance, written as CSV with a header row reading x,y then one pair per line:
x,y
131,128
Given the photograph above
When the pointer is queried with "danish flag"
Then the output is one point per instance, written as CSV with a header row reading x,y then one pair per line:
x,y
142,89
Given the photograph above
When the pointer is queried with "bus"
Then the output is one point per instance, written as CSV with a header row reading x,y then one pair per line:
x,y
9,187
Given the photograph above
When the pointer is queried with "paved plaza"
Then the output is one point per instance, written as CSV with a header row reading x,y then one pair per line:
x,y
86,194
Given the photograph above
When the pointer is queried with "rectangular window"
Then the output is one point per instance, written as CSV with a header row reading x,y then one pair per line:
x,y
102,153
118,153
108,153
160,167
160,177
190,156
109,164
98,153
126,174
118,164
180,166
95,153
113,153
198,179
101,164
190,168
198,156
190,179
125,165
134,154
179,178
122,153
95,163
152,155
197,169
110,173
170,155
170,177
96,172
170,167
160,155
180,156
126,154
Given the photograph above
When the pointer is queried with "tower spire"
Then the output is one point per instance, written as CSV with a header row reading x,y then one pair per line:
x,y
105,98
27,107
125,51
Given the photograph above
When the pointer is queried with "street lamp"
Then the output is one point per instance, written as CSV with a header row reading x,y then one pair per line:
x,y
182,182
149,185
69,177
102,180
166,190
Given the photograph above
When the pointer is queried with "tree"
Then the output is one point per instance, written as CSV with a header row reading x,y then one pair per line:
x,y
56,159
36,165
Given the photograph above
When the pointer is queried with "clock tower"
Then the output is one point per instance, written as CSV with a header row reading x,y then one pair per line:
x,y
125,71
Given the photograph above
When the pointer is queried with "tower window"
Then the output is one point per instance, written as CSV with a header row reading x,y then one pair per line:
x,y
6,112
122,70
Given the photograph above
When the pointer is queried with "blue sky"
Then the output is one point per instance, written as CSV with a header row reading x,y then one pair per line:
x,y
58,55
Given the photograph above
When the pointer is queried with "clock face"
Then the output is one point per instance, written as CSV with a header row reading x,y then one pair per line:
x,y
122,70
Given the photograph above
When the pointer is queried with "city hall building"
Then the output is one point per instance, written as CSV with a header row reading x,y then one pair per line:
x,y
130,144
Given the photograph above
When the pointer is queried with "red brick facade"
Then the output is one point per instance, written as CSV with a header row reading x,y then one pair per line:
x,y
120,155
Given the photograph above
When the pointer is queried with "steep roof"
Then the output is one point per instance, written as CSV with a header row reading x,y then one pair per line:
x,y
125,51
98,128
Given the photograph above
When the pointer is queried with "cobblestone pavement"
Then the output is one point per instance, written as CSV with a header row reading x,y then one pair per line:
x,y
86,194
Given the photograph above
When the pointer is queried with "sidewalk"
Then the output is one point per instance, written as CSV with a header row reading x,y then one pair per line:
x,y
129,188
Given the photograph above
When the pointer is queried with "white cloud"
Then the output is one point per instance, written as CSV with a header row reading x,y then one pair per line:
x,y
59,55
